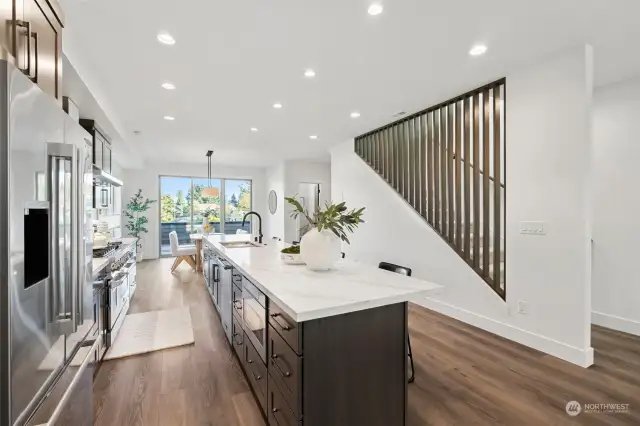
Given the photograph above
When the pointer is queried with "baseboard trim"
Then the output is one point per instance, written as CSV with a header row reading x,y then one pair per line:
x,y
574,355
616,323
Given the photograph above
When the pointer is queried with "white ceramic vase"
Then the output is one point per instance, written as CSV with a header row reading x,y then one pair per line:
x,y
320,250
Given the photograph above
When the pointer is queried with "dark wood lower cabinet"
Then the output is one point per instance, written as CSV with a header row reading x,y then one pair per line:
x,y
256,372
285,368
343,370
237,335
355,368
279,412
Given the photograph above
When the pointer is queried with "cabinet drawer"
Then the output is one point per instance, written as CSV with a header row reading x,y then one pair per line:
x,y
285,367
278,411
290,331
236,300
237,336
256,372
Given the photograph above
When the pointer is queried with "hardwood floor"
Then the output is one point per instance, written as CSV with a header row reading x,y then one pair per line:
x,y
197,385
464,376
467,376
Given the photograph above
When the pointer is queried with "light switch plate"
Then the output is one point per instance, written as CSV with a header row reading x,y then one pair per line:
x,y
532,228
523,307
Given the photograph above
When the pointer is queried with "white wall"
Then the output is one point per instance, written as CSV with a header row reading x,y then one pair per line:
x,y
148,180
297,172
285,179
616,152
547,160
274,223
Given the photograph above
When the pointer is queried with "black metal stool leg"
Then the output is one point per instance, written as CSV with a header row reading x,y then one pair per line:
x,y
412,377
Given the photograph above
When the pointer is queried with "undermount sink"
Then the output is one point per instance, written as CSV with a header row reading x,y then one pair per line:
x,y
239,244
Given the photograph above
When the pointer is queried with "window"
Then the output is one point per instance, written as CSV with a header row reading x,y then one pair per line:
x,y
183,207
206,206
237,200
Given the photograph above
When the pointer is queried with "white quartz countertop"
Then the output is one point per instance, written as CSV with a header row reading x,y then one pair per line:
x,y
99,263
306,295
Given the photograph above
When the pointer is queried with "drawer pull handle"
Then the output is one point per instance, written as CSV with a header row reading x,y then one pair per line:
x,y
285,327
275,357
256,376
236,341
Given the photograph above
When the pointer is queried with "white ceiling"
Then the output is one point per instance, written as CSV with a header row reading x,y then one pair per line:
x,y
234,59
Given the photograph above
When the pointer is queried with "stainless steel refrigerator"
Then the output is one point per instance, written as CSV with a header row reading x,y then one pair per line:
x,y
48,325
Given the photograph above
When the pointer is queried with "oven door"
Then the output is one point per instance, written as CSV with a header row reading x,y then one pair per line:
x,y
131,269
119,288
254,313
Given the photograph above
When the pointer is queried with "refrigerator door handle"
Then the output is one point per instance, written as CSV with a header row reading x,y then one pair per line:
x,y
62,189
85,168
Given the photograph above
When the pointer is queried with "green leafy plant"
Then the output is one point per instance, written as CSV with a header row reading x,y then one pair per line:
x,y
134,212
291,250
334,217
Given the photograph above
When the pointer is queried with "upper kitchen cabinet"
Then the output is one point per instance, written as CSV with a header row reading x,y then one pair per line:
x,y
31,38
101,145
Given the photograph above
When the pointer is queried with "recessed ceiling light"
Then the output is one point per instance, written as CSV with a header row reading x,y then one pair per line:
x,y
355,114
169,118
309,73
477,50
168,86
166,38
313,137
277,105
254,129
375,9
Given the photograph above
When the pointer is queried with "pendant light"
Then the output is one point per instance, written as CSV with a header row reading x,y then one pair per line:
x,y
210,191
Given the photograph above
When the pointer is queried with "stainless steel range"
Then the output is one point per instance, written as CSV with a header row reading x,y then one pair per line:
x,y
119,281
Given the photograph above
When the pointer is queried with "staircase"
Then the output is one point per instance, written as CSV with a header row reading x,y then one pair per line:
x,y
447,162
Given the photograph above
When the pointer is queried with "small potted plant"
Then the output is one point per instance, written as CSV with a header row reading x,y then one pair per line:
x,y
137,220
291,255
320,247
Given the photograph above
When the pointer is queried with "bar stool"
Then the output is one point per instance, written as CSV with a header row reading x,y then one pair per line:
x,y
404,271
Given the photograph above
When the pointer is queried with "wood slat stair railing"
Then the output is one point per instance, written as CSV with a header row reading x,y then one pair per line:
x,y
448,163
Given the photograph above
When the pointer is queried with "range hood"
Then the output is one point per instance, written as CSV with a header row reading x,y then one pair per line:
x,y
105,177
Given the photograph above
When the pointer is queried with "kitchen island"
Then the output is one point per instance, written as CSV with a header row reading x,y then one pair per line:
x,y
318,348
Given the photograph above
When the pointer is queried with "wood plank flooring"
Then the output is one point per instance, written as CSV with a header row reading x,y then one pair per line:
x,y
464,376
199,385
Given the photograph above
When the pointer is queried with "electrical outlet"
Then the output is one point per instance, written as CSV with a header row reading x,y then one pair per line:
x,y
523,307
532,228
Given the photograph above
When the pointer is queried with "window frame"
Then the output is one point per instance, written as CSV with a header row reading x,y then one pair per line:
x,y
223,202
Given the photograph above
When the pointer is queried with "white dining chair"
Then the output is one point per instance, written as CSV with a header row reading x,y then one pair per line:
x,y
183,253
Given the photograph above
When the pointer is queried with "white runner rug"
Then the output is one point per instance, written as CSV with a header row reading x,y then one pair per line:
x,y
152,331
